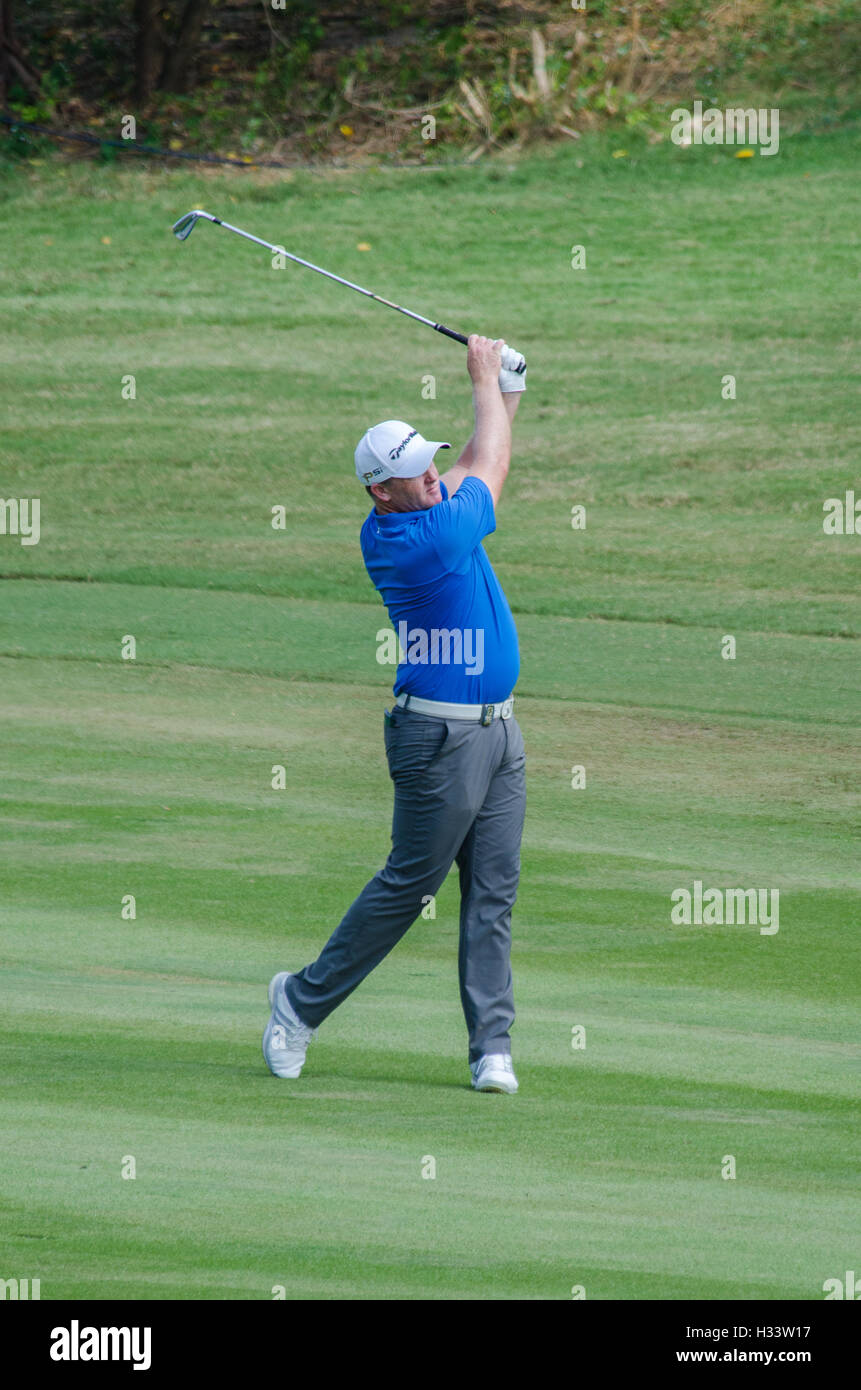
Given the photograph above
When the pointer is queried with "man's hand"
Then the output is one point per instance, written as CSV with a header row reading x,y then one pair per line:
x,y
513,374
512,360
483,359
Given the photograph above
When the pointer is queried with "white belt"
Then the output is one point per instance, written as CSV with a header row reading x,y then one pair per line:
x,y
481,714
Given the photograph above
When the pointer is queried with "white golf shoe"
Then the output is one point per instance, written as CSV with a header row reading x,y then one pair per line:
x,y
285,1037
494,1072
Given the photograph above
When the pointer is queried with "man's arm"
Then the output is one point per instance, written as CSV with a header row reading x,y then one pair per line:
x,y
487,453
460,470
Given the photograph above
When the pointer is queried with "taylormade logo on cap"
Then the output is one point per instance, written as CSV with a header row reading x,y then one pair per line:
x,y
395,454
394,449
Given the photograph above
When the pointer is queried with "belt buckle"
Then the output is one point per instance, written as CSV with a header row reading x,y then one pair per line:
x,y
487,714
507,708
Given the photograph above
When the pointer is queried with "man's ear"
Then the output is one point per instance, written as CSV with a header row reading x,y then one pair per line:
x,y
380,492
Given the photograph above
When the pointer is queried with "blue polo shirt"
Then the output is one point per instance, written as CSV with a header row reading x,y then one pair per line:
x,y
444,601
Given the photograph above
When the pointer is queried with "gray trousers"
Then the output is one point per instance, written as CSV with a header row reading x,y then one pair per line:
x,y
460,794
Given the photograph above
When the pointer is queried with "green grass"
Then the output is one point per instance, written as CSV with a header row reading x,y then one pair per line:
x,y
257,647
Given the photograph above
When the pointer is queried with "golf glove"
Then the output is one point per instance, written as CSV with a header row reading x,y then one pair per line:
x,y
513,374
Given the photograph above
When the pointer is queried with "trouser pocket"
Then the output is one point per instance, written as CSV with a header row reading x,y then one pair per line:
x,y
412,743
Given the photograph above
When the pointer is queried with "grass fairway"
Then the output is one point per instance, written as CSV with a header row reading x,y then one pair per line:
x,y
257,646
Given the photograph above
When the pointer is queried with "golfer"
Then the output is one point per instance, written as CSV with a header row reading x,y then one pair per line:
x,y
454,748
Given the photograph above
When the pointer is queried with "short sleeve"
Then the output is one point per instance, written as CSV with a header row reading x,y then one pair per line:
x,y
459,524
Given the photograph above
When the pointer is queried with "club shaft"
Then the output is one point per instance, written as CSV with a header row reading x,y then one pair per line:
x,y
369,294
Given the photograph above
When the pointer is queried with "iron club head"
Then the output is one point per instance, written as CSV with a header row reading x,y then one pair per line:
x,y
184,226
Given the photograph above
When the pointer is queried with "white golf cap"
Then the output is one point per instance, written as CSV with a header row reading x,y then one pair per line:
x,y
394,450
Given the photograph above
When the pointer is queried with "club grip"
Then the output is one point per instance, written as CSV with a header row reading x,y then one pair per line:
x,y
450,333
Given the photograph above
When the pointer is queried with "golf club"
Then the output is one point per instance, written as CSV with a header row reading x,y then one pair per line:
x,y
185,226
